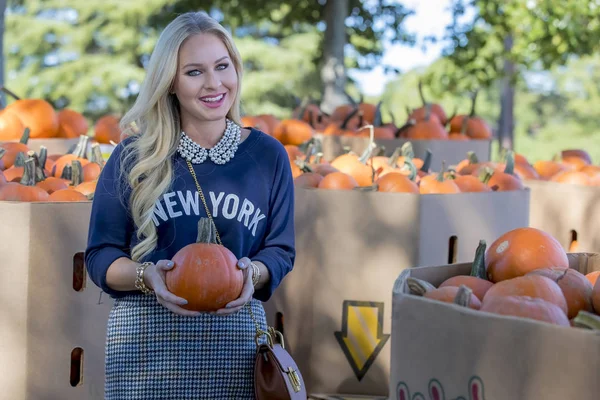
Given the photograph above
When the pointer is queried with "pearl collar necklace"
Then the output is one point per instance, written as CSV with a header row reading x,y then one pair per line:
x,y
220,154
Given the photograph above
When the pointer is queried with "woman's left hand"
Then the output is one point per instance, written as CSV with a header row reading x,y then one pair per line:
x,y
247,290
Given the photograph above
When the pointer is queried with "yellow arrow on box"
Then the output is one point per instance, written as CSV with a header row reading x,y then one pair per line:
x,y
361,337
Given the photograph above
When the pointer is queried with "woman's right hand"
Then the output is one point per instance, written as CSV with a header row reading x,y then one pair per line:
x,y
154,278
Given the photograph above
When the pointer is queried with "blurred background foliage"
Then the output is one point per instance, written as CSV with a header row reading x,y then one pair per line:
x,y
540,54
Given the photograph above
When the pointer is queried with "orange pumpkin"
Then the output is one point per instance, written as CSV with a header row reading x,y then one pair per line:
x,y
398,183
205,273
338,181
535,286
471,125
592,277
576,289
71,124
547,169
470,184
293,131
107,129
526,307
522,250
356,166
38,115
79,154
248,121
506,180
308,180
427,109
572,178
477,280
11,126
67,195
25,190
438,184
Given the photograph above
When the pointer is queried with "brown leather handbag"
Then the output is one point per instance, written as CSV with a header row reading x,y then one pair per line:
x,y
276,375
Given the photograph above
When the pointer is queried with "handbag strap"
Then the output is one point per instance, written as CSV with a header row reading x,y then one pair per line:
x,y
259,332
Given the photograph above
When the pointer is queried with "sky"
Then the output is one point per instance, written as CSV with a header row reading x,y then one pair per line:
x,y
430,18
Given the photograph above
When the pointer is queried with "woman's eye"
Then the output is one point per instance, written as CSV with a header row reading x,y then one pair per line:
x,y
193,72
222,66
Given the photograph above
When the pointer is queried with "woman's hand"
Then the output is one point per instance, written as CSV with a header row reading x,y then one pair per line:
x,y
154,278
247,290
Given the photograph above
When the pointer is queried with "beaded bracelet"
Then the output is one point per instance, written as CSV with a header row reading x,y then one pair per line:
x,y
255,273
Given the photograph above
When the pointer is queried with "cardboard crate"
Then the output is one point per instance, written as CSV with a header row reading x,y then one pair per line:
x,y
450,151
48,314
568,212
335,306
458,351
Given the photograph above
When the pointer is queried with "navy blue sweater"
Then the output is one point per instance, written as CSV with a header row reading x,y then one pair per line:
x,y
251,199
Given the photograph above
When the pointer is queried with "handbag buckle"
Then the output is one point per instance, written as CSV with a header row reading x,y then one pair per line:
x,y
294,379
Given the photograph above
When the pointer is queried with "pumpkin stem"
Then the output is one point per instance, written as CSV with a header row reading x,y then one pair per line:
x,y
43,157
352,101
510,163
427,161
318,158
348,118
440,176
76,173
369,150
463,126
39,171
380,152
377,121
28,178
207,232
407,150
394,157
81,147
302,109
20,160
472,157
478,267
407,125
25,136
310,118
587,320
97,155
486,174
420,87
454,114
408,163
472,113
427,111
2,152
463,296
67,172
418,287
10,93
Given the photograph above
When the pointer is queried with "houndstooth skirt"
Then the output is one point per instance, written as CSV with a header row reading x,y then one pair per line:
x,y
152,353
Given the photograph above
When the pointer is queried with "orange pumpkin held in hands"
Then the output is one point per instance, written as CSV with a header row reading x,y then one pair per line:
x,y
523,250
205,272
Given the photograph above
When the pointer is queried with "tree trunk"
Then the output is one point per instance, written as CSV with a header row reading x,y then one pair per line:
x,y
506,124
333,71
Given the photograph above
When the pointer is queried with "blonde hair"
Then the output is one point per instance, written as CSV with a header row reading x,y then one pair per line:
x,y
156,117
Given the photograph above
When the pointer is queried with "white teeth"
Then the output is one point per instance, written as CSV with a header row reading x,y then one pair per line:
x,y
213,99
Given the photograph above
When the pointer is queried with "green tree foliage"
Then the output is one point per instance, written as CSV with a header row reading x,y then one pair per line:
x,y
90,56
545,33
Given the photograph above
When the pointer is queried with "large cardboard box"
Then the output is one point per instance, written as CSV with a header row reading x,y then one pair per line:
x,y
335,306
53,318
467,354
450,151
568,212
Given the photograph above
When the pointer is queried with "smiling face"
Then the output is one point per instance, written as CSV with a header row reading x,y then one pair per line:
x,y
206,81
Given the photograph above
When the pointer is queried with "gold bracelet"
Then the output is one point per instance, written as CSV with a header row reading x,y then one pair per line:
x,y
139,279
255,273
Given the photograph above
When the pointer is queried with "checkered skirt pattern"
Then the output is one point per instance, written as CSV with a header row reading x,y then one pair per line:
x,y
152,353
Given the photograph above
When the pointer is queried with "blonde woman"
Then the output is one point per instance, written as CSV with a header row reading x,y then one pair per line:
x,y
146,208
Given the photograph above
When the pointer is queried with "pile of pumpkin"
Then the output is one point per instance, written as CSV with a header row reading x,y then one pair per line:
x,y
524,273
572,166
428,122
44,122
27,176
401,172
